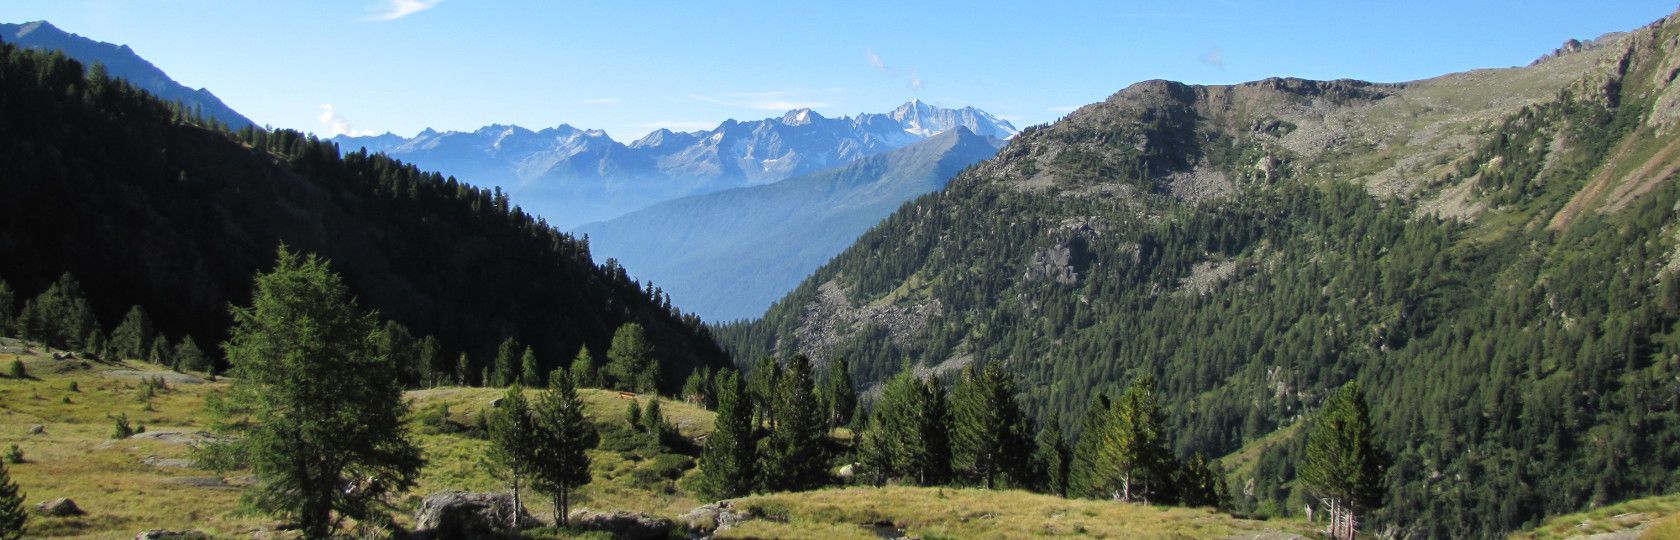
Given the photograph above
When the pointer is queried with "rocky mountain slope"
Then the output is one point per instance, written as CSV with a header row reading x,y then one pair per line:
x,y
571,176
728,255
1490,253
121,62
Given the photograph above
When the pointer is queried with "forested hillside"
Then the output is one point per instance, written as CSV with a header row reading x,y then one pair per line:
x,y
147,207
1492,254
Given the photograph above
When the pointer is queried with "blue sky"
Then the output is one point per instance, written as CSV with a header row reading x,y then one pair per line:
x,y
631,66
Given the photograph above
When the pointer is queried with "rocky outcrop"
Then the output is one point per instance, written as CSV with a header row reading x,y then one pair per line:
x,y
622,524
459,514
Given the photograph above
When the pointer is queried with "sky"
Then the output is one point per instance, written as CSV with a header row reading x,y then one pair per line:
x,y
630,66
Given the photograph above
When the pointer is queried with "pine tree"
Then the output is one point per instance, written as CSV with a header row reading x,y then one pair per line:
x,y
12,513
906,436
729,462
8,307
513,444
314,408
564,438
463,370
1053,458
530,373
431,357
762,383
1343,462
989,431
188,357
583,369
630,360
698,388
794,457
133,337
161,354
507,364
840,396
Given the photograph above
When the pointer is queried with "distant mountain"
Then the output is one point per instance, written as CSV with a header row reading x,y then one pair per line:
x,y
120,61
571,176
728,255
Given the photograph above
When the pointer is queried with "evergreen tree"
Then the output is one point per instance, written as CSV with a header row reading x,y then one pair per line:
x,y
513,444
95,342
132,339
762,383
8,307
583,369
1092,468
1053,458
315,411
935,425
630,360
188,357
433,360
1137,440
794,457
905,437
60,316
463,370
840,396
564,437
1201,483
507,364
633,415
989,432
12,513
1343,462
530,373
728,464
161,354
653,425
396,342
698,388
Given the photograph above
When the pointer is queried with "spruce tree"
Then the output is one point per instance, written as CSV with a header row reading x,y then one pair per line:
x,y
840,396
729,462
513,443
794,457
630,360
8,307
507,364
530,373
314,411
1343,462
188,357
12,513
583,369
564,437
1052,458
133,337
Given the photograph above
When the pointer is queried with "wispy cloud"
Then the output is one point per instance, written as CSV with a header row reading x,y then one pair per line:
x,y
780,100
1215,58
390,10
334,124
881,65
679,125
602,101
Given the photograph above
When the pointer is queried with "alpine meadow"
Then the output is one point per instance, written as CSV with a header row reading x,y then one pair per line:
x,y
1301,306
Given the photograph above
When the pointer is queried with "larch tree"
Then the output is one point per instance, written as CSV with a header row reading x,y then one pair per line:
x,y
583,369
513,444
564,437
506,370
729,462
1343,463
314,410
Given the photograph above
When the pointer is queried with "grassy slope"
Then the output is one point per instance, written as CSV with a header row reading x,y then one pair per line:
x,y
1648,518
975,513
122,494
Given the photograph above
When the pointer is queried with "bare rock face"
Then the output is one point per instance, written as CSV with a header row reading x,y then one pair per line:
x,y
622,524
460,514
59,507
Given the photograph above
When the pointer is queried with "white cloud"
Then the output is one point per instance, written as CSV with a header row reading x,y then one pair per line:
x,y
875,60
602,101
391,10
335,125
880,64
1215,58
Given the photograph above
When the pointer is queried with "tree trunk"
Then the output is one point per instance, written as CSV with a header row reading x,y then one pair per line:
x,y
517,504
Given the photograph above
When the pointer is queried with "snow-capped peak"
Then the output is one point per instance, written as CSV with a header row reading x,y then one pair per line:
x,y
800,117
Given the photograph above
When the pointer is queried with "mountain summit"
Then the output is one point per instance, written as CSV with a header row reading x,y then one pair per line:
x,y
571,176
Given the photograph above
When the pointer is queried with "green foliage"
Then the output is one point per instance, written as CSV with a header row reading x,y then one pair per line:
x,y
563,437
122,428
698,389
14,455
530,372
12,513
434,365
398,344
794,455
653,427
762,382
729,462
133,337
907,435
188,357
839,394
1343,462
506,370
633,415
1201,483
61,316
16,369
1052,458
630,360
161,354
514,442
583,369
314,407
990,437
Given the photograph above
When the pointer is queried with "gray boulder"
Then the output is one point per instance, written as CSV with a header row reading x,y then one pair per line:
x,y
710,519
460,514
59,507
624,525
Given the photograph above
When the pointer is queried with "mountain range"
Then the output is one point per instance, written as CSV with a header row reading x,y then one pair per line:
x,y
571,176
728,255
121,62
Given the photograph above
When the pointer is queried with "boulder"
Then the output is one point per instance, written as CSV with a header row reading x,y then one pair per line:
x,y
37,429
461,514
162,534
710,519
622,524
59,507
